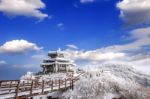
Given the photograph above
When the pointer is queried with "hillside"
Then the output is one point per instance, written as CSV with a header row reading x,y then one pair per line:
x,y
110,81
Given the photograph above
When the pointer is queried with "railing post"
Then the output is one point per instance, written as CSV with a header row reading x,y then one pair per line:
x,y
43,87
65,83
31,88
17,89
52,85
10,85
23,83
72,84
0,84
59,83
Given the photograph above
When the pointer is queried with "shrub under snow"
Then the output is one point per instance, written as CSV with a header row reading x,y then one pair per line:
x,y
108,82
28,76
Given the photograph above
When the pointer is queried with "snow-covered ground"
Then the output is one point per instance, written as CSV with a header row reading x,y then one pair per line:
x,y
27,78
106,81
47,77
111,81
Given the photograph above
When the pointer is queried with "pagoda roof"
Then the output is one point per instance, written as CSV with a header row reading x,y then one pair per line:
x,y
56,63
58,59
56,52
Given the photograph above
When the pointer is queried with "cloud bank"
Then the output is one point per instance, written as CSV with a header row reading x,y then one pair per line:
x,y
72,46
93,55
135,12
2,62
28,8
140,37
132,53
18,46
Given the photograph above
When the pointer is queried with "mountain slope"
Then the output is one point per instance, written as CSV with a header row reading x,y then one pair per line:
x,y
127,72
111,81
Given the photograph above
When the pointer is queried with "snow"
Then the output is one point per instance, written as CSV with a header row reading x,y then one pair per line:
x,y
38,90
110,95
105,81
40,97
110,81
28,76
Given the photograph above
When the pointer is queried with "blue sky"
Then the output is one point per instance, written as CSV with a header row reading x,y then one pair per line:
x,y
107,30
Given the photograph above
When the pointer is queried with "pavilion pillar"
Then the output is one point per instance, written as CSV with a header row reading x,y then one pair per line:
x,y
58,69
55,68
65,67
44,69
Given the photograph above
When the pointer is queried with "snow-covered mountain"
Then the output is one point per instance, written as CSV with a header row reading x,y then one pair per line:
x,y
127,72
107,81
111,81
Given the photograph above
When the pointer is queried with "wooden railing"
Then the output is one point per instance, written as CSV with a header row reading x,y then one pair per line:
x,y
17,88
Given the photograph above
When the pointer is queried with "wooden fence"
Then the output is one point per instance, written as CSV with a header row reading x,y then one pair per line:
x,y
17,88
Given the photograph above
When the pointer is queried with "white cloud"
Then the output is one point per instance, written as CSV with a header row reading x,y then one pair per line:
x,y
18,46
38,57
26,66
140,36
76,5
3,63
135,11
28,8
90,1
72,46
60,25
93,55
143,64
86,1
132,53
141,33
96,57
